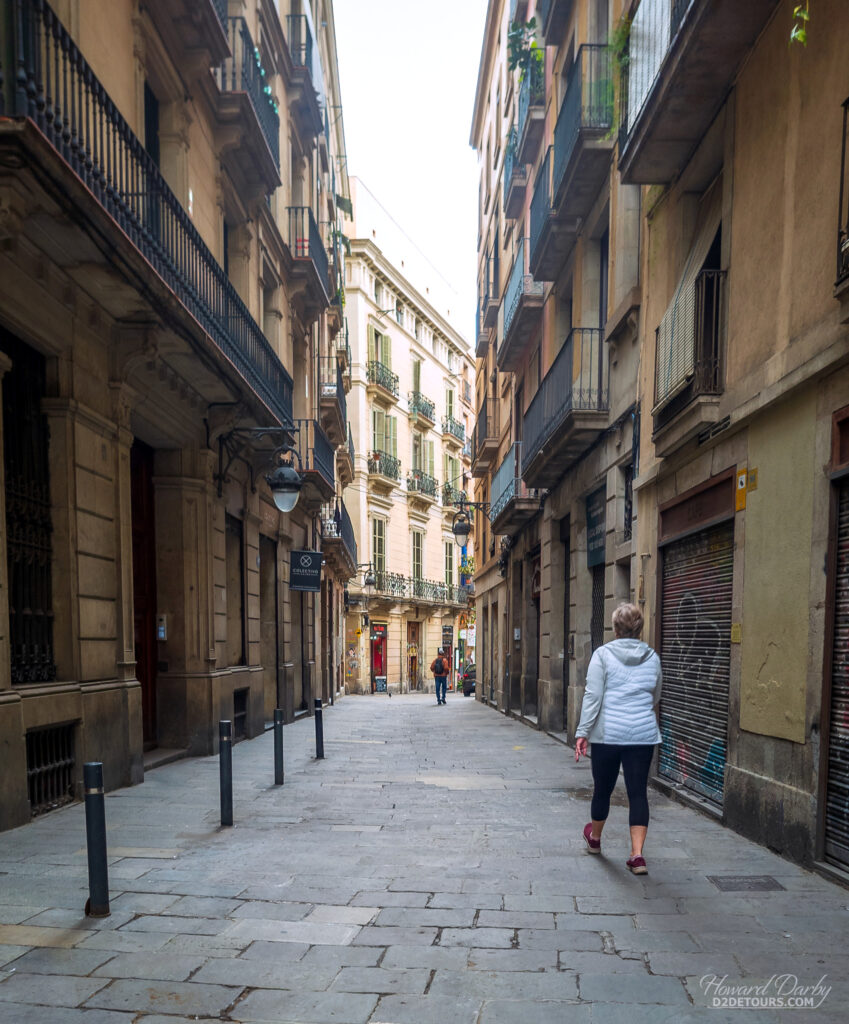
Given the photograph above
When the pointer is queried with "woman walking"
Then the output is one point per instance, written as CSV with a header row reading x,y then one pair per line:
x,y
619,718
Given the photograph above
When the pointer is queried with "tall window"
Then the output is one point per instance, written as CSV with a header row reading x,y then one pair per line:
x,y
417,375
399,312
378,544
453,474
379,347
384,432
449,402
449,563
418,554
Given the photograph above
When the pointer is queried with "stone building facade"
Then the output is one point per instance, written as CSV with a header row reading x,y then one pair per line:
x,y
411,416
170,322
713,493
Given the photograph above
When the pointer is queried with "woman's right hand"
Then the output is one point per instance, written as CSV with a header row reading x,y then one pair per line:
x,y
580,748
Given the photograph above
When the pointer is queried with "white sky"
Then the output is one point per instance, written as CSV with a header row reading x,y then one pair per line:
x,y
408,71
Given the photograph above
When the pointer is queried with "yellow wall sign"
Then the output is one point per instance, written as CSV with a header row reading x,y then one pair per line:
x,y
742,484
359,632
736,632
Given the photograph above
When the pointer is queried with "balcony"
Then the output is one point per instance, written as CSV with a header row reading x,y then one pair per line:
x,y
318,464
453,431
484,439
511,505
306,90
569,411
310,265
422,489
522,311
333,401
194,32
688,365
684,56
345,460
343,348
393,588
249,132
467,392
451,497
515,178
483,335
381,382
531,118
491,292
108,184
384,471
422,410
553,16
338,543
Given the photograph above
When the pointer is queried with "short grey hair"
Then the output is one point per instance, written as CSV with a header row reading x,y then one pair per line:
x,y
627,621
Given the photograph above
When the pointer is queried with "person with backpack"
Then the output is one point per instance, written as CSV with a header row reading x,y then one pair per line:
x,y
439,667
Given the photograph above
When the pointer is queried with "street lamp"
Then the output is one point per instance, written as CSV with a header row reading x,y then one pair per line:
x,y
461,525
284,480
285,484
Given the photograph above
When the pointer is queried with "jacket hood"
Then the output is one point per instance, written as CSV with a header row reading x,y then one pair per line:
x,y
629,651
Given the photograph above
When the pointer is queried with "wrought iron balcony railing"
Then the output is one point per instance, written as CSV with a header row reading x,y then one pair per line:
x,y
305,243
243,72
531,94
384,464
507,482
576,382
511,164
420,482
56,88
485,426
588,104
422,406
381,375
351,450
336,523
415,588
451,495
332,385
541,206
391,583
453,427
316,452
221,10
304,51
521,283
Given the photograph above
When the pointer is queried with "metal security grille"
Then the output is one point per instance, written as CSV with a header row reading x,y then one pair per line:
x,y
50,768
837,785
696,656
28,521
597,619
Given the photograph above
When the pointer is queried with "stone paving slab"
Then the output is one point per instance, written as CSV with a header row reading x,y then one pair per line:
x,y
429,869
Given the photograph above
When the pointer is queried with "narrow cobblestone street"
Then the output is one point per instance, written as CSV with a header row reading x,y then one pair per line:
x,y
430,869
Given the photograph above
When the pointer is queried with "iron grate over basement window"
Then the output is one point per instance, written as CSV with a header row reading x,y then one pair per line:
x,y
50,768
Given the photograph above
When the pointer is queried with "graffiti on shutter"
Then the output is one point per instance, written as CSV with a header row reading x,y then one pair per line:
x,y
837,785
695,656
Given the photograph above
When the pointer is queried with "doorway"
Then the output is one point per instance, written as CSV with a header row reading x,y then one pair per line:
x,y
269,649
413,642
378,657
144,584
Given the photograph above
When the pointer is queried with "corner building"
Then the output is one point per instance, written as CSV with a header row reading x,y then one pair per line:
x,y
555,443
411,417
170,317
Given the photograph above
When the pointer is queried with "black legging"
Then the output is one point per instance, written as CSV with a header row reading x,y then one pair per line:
x,y
635,761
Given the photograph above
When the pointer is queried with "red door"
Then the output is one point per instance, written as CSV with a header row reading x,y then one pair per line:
x,y
378,655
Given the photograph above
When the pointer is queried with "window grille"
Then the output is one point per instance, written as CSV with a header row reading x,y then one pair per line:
x,y
50,767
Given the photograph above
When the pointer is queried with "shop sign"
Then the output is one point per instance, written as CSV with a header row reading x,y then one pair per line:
x,y
596,528
305,571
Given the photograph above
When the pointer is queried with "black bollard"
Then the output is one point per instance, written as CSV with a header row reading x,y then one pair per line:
x,y
225,766
278,747
319,731
97,904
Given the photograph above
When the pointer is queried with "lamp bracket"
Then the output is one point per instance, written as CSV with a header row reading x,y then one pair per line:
x,y
256,447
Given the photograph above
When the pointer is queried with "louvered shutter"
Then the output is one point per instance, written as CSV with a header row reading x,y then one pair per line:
x,y
837,779
417,376
372,344
430,464
386,351
392,435
378,418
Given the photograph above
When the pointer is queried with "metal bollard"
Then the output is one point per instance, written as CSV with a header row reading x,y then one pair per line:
x,y
278,747
97,904
225,767
319,731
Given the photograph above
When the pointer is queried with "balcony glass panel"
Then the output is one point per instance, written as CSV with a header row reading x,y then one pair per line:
x,y
520,284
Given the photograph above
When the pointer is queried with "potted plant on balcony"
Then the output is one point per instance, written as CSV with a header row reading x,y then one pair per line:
x,y
525,53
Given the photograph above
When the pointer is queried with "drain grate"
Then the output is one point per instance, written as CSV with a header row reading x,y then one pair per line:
x,y
745,883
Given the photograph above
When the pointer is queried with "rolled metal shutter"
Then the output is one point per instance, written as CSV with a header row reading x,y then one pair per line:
x,y
696,659
837,785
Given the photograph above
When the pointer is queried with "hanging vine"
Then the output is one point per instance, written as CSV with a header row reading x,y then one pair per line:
x,y
801,17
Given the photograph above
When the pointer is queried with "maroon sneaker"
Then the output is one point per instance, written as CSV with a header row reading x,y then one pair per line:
x,y
637,865
593,845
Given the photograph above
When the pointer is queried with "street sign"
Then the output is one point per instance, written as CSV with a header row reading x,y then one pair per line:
x,y
305,571
596,528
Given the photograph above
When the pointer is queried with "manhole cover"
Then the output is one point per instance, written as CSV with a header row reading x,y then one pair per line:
x,y
745,883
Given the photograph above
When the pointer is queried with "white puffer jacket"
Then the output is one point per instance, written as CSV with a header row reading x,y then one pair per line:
x,y
623,688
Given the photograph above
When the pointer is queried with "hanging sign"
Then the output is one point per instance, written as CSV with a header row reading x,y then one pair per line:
x,y
305,571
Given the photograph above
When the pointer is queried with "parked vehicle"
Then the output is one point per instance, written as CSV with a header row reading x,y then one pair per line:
x,y
469,677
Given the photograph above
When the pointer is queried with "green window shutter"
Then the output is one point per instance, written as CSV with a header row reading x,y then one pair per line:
x,y
417,450
430,464
392,435
417,376
446,476
386,351
372,344
449,403
378,418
